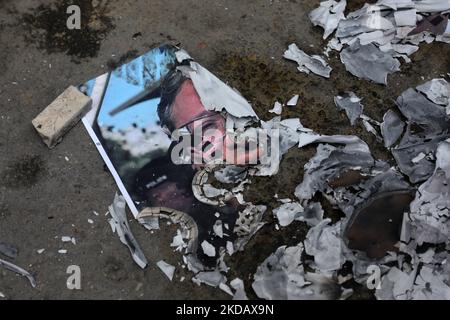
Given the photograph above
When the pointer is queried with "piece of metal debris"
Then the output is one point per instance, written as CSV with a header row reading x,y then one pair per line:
x,y
12,267
351,104
166,268
306,63
119,223
61,115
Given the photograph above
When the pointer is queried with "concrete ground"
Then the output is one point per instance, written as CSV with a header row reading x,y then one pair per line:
x,y
46,194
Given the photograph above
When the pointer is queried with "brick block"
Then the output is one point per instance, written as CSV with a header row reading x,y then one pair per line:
x,y
61,115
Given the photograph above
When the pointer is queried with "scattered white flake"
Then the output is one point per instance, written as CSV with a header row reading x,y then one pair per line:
x,y
90,221
208,249
62,251
418,158
40,251
306,63
277,108
166,268
230,248
238,285
224,287
293,101
218,228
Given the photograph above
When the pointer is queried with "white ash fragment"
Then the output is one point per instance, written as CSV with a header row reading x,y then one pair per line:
x,y
369,62
306,63
150,223
210,278
351,104
208,249
231,174
391,128
218,228
282,277
225,288
328,15
277,108
238,285
293,101
178,242
119,224
324,243
430,210
289,212
247,224
166,268
437,90
230,248
69,239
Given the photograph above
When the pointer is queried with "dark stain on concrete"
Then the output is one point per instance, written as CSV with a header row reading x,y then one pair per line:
x,y
126,57
46,26
23,173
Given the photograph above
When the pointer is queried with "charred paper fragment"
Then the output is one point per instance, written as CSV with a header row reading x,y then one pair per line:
x,y
369,62
391,128
428,125
324,243
429,219
374,227
119,223
14,268
238,285
293,101
435,24
306,63
216,95
328,15
437,90
61,115
211,278
405,18
189,229
248,223
277,108
288,212
166,268
351,104
208,249
327,164
282,277
8,250
231,174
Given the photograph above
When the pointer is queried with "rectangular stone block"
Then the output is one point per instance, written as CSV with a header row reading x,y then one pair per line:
x,y
61,115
